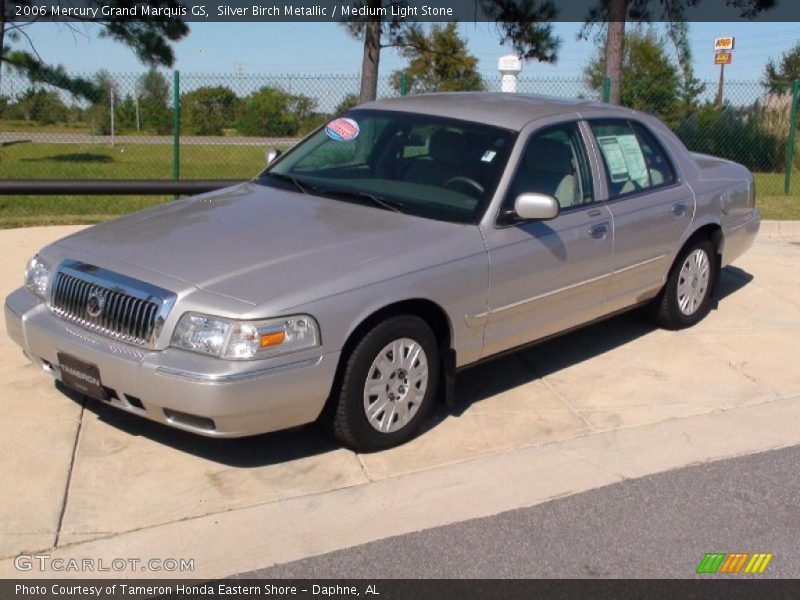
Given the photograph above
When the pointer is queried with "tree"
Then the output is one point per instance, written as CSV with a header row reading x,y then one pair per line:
x,y
149,39
438,62
153,92
125,113
521,23
348,102
208,110
273,112
99,113
39,105
653,84
691,86
615,13
778,77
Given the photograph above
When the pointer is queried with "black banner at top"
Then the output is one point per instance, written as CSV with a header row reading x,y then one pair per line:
x,y
394,10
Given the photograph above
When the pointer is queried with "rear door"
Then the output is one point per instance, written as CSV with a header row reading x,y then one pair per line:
x,y
547,276
650,205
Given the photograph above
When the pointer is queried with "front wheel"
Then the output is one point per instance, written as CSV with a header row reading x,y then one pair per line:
x,y
388,386
686,297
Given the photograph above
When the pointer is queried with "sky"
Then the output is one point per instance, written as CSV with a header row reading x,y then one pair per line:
x,y
325,48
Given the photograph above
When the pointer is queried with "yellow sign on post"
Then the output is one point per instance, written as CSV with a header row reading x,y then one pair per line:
x,y
723,58
724,43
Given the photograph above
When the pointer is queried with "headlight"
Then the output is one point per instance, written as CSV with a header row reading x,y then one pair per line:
x,y
37,273
242,340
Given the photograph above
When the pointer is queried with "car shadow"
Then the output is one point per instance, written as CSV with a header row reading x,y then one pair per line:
x,y
545,358
249,452
473,385
73,157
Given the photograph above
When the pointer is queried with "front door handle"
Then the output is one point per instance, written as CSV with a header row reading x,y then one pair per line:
x,y
599,231
678,209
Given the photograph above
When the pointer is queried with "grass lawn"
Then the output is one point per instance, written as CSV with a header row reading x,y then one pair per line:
x,y
142,161
18,125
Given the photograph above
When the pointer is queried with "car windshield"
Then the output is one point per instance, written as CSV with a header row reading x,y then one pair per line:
x,y
418,164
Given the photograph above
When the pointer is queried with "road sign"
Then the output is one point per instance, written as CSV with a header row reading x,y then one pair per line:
x,y
723,58
724,43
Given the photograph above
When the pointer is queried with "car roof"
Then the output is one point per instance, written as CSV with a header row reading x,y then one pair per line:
x,y
510,111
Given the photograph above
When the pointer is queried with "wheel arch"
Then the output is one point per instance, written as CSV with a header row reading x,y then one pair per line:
x,y
712,231
430,312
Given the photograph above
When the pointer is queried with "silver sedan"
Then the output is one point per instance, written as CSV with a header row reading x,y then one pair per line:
x,y
397,244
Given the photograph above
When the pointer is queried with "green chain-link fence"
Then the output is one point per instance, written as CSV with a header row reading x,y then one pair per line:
x,y
227,120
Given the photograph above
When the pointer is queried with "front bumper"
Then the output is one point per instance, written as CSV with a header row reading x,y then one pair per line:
x,y
204,395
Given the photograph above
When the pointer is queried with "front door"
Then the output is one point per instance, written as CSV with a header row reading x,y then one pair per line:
x,y
547,276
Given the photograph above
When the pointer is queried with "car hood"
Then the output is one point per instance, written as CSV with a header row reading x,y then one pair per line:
x,y
255,243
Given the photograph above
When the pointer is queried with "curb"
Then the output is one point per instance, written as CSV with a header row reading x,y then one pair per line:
x,y
779,228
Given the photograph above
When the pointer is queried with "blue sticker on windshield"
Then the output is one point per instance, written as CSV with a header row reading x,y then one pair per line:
x,y
342,130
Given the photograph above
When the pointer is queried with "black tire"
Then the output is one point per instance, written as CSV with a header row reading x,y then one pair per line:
x,y
350,424
665,309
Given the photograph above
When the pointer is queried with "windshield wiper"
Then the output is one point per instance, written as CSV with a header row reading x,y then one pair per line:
x,y
307,188
378,201
302,187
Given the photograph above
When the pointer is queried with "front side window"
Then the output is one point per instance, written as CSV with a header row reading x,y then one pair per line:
x,y
632,157
555,163
419,164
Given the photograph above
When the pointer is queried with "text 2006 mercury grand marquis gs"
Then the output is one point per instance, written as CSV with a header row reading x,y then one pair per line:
x,y
402,241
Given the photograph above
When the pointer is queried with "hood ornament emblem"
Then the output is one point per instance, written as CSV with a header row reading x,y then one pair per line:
x,y
95,304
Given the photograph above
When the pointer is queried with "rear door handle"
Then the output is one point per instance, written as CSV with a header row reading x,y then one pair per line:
x,y
599,231
678,209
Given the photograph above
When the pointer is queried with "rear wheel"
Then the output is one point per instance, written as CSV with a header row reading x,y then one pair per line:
x,y
388,385
686,297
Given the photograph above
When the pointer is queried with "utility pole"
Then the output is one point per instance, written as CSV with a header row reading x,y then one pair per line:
x,y
721,85
136,104
112,117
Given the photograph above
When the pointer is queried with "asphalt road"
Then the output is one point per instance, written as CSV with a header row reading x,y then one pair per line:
x,y
657,526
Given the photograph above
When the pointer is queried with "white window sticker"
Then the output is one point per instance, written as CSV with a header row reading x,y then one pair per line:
x,y
633,158
488,156
615,159
624,158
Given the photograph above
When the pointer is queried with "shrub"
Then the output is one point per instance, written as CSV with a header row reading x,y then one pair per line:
x,y
208,110
743,136
38,105
273,112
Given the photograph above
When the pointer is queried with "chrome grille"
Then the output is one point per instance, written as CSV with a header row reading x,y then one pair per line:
x,y
125,309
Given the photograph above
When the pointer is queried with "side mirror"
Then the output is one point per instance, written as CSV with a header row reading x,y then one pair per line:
x,y
271,154
536,207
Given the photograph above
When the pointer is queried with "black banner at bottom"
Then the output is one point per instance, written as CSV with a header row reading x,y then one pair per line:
x,y
391,589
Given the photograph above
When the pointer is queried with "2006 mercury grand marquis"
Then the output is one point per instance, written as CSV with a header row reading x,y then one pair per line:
x,y
402,241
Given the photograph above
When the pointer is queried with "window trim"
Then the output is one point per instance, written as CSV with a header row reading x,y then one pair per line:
x,y
576,122
676,181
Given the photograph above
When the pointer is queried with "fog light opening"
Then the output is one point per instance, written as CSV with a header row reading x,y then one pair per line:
x,y
193,421
134,401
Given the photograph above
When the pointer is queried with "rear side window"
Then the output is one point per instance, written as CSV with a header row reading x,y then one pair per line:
x,y
634,161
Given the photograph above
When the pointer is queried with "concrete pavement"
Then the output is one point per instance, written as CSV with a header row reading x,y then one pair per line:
x,y
614,401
